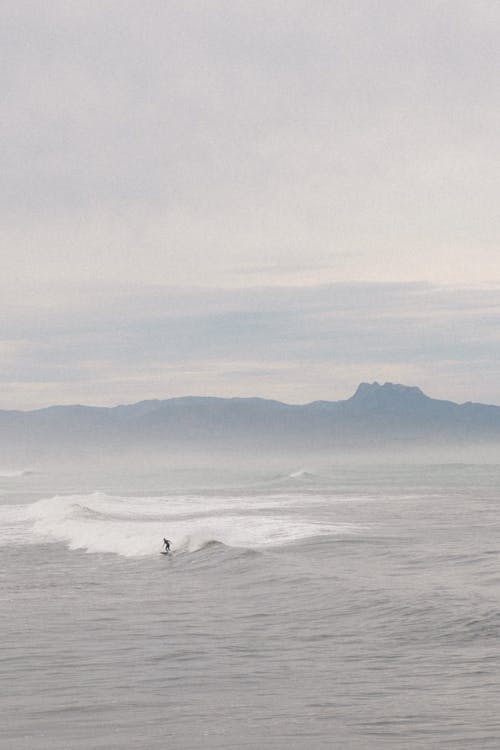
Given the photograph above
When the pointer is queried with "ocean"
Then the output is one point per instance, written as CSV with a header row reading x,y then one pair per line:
x,y
353,607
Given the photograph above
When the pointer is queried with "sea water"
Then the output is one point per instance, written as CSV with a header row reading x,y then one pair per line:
x,y
354,607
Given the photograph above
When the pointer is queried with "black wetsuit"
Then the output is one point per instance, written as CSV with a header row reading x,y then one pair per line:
x,y
166,542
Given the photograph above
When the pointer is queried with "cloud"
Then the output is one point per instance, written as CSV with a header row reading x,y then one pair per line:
x,y
295,343
253,198
174,141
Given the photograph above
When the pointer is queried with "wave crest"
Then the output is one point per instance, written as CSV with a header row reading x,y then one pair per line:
x,y
135,527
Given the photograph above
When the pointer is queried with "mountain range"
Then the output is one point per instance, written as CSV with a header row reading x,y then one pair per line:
x,y
376,417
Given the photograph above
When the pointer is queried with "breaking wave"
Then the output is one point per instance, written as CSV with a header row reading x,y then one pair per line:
x,y
135,526
14,473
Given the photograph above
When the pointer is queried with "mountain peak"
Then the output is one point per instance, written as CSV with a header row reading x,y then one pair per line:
x,y
388,392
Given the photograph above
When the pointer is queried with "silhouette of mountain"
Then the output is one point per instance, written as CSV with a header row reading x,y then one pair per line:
x,y
375,417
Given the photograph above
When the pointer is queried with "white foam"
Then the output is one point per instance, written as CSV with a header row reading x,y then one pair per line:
x,y
134,527
301,474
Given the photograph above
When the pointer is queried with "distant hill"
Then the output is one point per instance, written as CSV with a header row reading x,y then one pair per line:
x,y
377,417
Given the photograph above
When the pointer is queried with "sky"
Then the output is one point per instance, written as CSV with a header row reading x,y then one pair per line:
x,y
268,198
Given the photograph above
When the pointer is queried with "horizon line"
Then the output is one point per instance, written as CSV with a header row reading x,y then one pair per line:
x,y
241,398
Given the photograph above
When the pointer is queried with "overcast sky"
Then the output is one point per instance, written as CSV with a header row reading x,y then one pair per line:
x,y
248,198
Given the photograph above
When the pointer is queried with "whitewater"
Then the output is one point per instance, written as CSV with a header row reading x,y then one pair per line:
x,y
346,606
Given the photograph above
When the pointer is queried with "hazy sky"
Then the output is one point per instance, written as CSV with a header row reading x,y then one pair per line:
x,y
248,198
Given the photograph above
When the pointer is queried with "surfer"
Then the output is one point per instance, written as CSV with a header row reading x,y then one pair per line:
x,y
166,542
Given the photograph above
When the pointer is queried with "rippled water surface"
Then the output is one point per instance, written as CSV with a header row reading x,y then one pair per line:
x,y
357,607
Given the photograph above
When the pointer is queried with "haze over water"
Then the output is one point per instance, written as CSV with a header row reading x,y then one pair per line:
x,y
350,606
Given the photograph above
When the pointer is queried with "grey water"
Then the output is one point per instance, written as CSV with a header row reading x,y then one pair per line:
x,y
354,607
